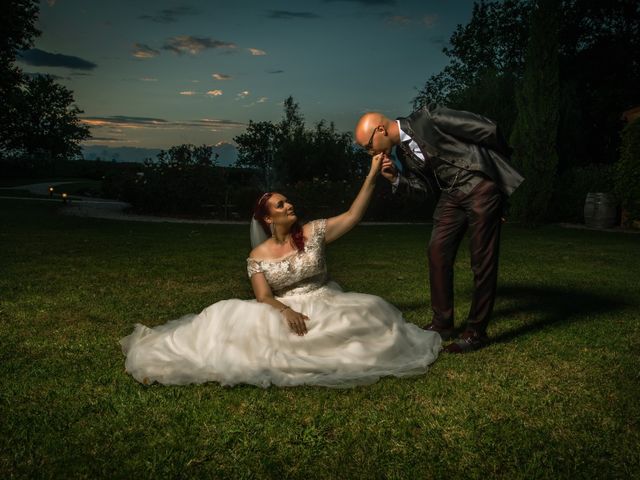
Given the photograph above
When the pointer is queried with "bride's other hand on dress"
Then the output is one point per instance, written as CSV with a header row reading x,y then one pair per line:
x,y
341,224
296,320
263,294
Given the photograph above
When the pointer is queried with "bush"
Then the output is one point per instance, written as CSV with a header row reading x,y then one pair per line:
x,y
627,171
184,180
323,198
571,188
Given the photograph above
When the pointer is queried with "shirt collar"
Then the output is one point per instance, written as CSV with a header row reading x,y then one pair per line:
x,y
403,135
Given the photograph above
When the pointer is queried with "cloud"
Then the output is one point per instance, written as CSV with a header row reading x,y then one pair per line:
x,y
244,94
427,21
104,139
252,104
438,40
140,50
430,20
399,20
170,15
125,122
367,3
189,44
148,79
188,93
40,58
256,53
214,93
217,124
221,76
275,71
37,74
288,15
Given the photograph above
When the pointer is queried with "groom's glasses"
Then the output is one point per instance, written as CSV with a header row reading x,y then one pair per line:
x,y
369,146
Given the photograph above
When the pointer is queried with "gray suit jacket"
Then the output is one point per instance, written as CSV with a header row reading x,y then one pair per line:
x,y
463,139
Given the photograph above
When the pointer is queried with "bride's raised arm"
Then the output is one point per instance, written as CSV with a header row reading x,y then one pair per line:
x,y
341,224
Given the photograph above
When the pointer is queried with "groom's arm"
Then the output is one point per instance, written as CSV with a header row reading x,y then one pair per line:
x,y
407,183
472,128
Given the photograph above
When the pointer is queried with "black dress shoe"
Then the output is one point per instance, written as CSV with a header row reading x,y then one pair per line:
x,y
445,333
467,342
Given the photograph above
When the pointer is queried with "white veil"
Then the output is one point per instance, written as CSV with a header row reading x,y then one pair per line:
x,y
256,233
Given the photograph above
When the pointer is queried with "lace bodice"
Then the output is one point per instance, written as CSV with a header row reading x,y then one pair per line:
x,y
299,272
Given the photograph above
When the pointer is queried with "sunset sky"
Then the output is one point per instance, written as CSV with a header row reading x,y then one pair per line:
x,y
159,73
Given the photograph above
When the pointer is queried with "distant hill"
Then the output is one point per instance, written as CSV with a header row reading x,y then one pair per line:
x,y
228,153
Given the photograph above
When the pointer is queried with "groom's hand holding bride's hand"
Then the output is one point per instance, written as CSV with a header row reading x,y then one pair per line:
x,y
296,321
388,169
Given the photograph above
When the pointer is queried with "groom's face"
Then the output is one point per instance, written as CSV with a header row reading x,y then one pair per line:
x,y
377,142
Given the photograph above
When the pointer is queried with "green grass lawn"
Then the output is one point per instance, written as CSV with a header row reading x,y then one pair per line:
x,y
555,395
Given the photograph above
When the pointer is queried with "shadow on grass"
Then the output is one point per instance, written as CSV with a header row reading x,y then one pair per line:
x,y
549,306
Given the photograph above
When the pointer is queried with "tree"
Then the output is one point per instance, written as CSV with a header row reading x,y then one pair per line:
x,y
492,41
536,128
600,68
599,62
332,155
17,24
294,140
627,171
38,120
17,32
47,124
288,152
257,148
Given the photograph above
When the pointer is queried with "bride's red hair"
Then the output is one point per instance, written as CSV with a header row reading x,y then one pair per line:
x,y
261,210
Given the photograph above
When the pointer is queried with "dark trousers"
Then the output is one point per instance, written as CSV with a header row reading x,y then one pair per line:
x,y
480,211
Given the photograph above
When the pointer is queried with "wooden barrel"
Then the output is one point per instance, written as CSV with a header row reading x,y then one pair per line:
x,y
600,210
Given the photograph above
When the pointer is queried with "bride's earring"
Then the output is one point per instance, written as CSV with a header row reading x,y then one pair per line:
x,y
272,227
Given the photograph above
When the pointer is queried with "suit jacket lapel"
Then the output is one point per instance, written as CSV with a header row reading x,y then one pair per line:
x,y
419,118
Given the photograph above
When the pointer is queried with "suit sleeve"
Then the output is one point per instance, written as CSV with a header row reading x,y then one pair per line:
x,y
472,128
410,185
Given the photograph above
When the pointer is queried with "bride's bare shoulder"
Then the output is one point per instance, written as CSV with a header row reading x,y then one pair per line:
x,y
307,228
261,252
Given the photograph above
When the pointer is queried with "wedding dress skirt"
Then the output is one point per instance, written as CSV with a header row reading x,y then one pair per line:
x,y
352,339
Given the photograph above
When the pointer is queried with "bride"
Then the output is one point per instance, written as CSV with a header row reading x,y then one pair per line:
x,y
301,329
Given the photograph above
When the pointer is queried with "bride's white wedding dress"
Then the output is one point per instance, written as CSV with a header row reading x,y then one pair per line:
x,y
352,338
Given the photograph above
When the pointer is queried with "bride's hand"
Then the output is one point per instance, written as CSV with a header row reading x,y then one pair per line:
x,y
296,320
376,163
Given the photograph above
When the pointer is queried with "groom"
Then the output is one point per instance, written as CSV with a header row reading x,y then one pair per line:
x,y
464,157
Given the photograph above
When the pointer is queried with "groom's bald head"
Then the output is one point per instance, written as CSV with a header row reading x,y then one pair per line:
x,y
385,134
366,124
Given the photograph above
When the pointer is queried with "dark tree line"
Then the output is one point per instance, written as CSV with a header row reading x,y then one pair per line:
x,y
498,67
